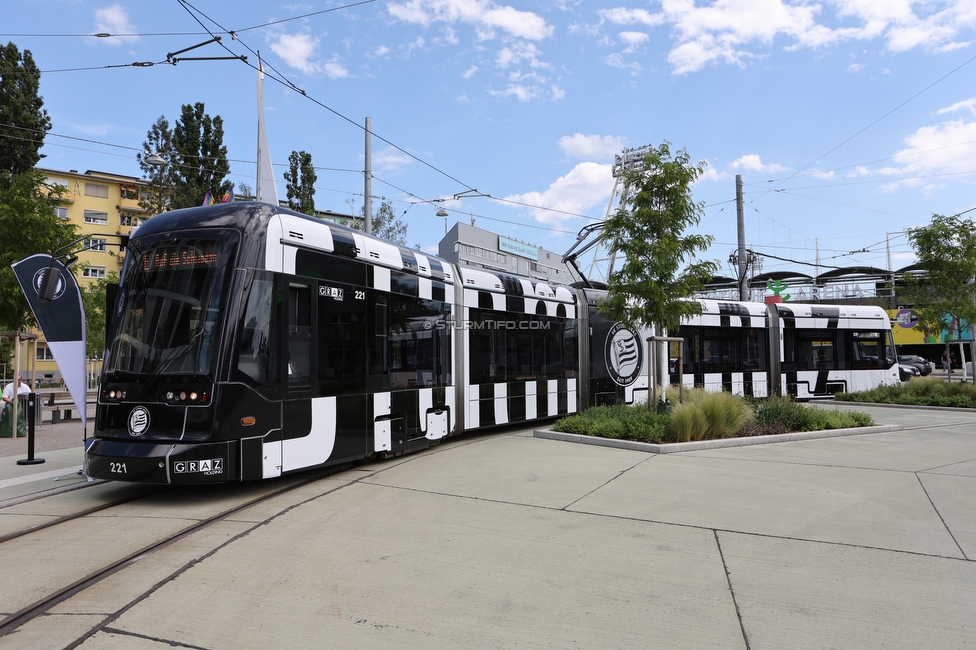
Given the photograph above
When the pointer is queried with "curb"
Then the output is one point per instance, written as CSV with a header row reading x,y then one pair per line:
x,y
677,447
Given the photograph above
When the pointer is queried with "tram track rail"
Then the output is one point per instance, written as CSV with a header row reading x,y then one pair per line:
x,y
75,515
42,606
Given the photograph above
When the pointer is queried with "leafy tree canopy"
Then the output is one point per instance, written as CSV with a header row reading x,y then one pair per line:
x,y
386,225
161,177
301,179
23,120
658,270
946,293
201,157
30,226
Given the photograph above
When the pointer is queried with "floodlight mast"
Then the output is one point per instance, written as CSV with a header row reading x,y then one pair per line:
x,y
590,237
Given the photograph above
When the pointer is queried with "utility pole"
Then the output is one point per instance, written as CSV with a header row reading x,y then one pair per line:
x,y
741,222
368,192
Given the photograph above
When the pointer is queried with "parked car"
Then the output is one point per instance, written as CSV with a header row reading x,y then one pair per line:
x,y
924,367
906,372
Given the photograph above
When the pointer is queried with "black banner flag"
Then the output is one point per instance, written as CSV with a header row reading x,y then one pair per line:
x,y
62,320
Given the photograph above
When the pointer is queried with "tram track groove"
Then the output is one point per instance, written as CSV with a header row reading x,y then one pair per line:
x,y
42,606
77,515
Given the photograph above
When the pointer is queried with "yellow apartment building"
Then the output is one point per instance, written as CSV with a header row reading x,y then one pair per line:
x,y
102,205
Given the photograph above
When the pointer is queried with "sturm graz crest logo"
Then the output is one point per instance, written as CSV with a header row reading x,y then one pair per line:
x,y
39,280
138,421
624,355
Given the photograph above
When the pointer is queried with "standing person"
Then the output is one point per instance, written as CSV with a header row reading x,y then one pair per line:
x,y
946,361
10,393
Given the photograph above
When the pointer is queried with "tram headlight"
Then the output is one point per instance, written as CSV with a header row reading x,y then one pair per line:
x,y
185,396
113,395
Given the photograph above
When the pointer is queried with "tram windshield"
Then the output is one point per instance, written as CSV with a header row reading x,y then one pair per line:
x,y
170,306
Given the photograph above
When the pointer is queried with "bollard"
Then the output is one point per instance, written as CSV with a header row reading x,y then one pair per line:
x,y
31,417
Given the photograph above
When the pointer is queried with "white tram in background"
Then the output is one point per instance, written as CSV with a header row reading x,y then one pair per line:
x,y
246,341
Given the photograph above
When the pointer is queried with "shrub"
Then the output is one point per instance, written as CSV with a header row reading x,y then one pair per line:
x,y
927,391
627,422
706,415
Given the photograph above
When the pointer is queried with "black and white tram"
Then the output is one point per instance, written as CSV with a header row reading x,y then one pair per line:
x,y
247,341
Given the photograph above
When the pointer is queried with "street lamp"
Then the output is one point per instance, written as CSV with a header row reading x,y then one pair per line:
x,y
443,213
153,158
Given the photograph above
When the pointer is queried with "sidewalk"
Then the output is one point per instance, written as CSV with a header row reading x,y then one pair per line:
x,y
862,541
47,437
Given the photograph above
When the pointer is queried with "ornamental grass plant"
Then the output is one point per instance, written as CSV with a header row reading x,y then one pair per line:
x,y
921,391
704,415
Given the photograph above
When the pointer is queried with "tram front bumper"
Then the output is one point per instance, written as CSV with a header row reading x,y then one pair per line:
x,y
166,463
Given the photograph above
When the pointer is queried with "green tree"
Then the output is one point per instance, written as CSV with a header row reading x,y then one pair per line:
x,y
944,297
386,225
23,120
301,179
29,225
201,157
161,177
659,271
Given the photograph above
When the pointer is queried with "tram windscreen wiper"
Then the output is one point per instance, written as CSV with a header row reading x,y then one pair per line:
x,y
176,352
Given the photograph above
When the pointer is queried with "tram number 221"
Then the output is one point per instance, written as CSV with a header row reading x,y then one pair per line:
x,y
117,468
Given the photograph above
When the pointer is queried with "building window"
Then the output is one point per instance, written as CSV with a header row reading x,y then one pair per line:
x,y
97,190
56,182
93,272
93,216
128,192
479,252
61,211
128,219
96,244
44,354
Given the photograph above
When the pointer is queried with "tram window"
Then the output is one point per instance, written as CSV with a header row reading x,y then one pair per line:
x,y
867,350
341,335
813,349
378,361
257,353
519,348
419,343
718,348
299,336
753,349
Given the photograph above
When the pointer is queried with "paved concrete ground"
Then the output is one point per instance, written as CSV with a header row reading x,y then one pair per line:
x,y
507,540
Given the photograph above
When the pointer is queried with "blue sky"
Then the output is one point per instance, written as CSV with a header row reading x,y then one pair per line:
x,y
849,120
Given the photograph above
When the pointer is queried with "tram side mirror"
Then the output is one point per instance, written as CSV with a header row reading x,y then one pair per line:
x,y
111,300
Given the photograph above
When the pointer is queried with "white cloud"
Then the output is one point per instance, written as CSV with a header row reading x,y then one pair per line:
x,y
633,40
389,159
520,91
518,52
587,185
335,70
624,16
967,104
114,20
297,51
752,162
485,16
736,31
469,72
382,50
947,148
591,147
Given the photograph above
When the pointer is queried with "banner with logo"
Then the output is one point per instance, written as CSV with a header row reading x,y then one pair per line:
x,y
62,320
